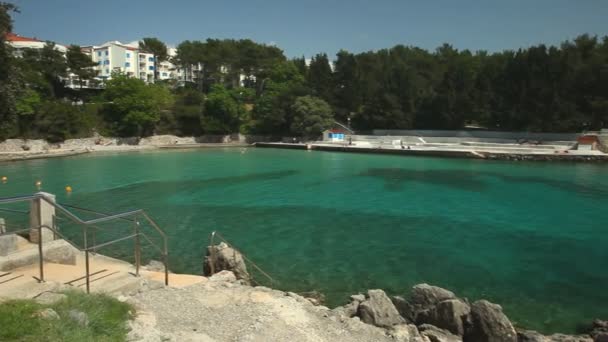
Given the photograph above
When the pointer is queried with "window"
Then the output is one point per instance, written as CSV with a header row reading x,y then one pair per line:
x,y
330,135
150,59
127,65
107,52
99,62
106,62
128,55
99,53
151,67
164,74
107,71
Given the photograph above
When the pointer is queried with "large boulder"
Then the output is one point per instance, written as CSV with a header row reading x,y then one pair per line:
x,y
377,309
223,257
423,298
599,331
489,323
452,315
435,334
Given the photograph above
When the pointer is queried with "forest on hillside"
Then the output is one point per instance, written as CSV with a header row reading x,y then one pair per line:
x,y
252,88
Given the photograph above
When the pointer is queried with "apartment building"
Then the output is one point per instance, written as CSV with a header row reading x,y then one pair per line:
x,y
20,43
114,56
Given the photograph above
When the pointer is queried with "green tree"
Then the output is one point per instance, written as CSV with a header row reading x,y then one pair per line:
x,y
80,64
222,112
134,107
9,86
158,49
320,77
311,116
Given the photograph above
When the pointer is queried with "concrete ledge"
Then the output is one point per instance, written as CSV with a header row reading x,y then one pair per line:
x,y
58,251
446,153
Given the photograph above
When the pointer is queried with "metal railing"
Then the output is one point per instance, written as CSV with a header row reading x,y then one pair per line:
x,y
212,257
130,216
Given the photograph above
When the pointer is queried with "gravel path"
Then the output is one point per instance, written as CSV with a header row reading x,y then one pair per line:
x,y
223,310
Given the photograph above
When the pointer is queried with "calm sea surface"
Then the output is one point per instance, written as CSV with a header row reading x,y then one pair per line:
x,y
530,236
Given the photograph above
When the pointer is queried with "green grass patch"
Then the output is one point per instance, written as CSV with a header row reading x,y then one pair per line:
x,y
107,317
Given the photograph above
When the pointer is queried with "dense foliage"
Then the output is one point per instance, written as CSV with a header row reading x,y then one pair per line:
x,y
242,86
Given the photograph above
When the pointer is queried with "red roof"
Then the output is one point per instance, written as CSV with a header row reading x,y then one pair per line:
x,y
11,37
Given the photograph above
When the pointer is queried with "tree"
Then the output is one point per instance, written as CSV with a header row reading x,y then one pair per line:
x,y
311,116
222,113
134,107
320,77
158,49
8,82
80,64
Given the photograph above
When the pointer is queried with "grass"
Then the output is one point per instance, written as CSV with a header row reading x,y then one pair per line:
x,y
107,319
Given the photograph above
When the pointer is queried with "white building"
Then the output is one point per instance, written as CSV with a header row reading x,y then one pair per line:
x,y
20,43
115,56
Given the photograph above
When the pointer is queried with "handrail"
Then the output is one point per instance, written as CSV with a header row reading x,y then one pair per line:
x,y
259,269
91,224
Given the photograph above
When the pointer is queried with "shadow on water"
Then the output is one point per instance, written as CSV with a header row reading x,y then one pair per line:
x,y
173,186
396,178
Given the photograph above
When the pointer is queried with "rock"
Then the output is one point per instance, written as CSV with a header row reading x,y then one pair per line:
x,y
451,314
435,334
489,323
79,317
8,243
569,338
223,276
315,297
357,298
222,257
378,310
402,306
530,336
406,333
47,314
599,331
155,266
48,298
422,298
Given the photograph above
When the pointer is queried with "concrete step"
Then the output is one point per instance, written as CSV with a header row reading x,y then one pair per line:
x,y
58,251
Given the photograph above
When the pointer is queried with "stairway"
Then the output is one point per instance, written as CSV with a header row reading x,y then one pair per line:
x,y
107,275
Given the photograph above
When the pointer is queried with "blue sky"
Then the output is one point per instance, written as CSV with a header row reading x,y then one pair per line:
x,y
311,26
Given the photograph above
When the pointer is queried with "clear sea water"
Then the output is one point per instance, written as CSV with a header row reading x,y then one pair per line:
x,y
530,236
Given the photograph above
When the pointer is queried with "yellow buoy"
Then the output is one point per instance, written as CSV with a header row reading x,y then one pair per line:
x,y
4,179
38,184
68,188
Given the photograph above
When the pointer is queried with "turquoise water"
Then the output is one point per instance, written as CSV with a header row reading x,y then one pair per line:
x,y
530,236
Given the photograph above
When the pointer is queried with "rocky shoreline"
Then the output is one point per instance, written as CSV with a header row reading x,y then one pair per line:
x,y
23,149
428,314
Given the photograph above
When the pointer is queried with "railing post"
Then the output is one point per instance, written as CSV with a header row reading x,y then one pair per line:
x,y
40,256
137,247
86,262
41,214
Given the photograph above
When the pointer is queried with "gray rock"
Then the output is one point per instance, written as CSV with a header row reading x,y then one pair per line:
x,y
451,314
8,243
435,334
222,257
599,331
79,317
530,336
569,338
489,323
357,298
406,333
378,310
600,337
223,276
48,298
47,314
422,298
402,305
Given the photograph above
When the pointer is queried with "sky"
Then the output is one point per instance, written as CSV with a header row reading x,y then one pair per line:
x,y
308,27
